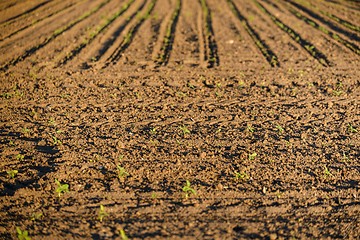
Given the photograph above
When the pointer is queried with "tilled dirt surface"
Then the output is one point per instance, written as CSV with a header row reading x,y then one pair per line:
x,y
253,104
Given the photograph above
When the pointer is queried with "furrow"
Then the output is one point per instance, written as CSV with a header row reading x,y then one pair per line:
x,y
211,57
14,18
263,47
163,56
343,22
309,47
99,29
40,20
8,5
116,55
324,21
333,35
55,34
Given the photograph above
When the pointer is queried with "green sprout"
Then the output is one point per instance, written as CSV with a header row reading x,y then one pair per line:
x,y
153,131
36,216
52,122
252,156
279,128
22,235
241,176
121,172
352,129
62,188
26,131
56,141
187,189
123,235
250,128
19,157
102,213
185,130
327,172
12,173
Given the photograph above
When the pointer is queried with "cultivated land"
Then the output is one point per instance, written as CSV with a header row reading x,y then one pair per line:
x,y
169,119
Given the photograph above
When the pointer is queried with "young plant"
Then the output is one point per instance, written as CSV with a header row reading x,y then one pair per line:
x,y
252,156
52,122
26,131
352,129
250,128
185,130
327,172
123,235
102,213
279,128
56,141
241,176
188,190
20,157
36,216
153,131
121,172
62,188
12,173
22,235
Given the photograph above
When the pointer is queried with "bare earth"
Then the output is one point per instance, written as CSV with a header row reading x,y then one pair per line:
x,y
170,119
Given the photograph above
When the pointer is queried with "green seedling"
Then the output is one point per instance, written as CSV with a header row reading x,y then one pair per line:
x,y
345,158
352,129
56,141
153,131
102,213
250,128
123,234
337,93
252,156
185,130
36,216
22,235
11,143
19,157
188,190
52,122
154,196
25,131
62,188
279,128
12,173
241,84
241,176
121,172
327,172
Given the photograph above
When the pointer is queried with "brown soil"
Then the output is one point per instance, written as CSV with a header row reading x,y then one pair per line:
x,y
255,103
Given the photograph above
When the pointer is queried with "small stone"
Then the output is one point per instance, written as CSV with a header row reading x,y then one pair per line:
x,y
219,187
273,236
202,154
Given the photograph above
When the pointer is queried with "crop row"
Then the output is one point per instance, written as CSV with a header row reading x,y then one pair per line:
x,y
309,47
164,54
263,47
97,31
327,23
210,48
55,34
116,55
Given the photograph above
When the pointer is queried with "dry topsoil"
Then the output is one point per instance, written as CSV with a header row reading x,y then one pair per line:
x,y
159,119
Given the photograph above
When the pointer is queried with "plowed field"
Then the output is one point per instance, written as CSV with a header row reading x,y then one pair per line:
x,y
179,119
